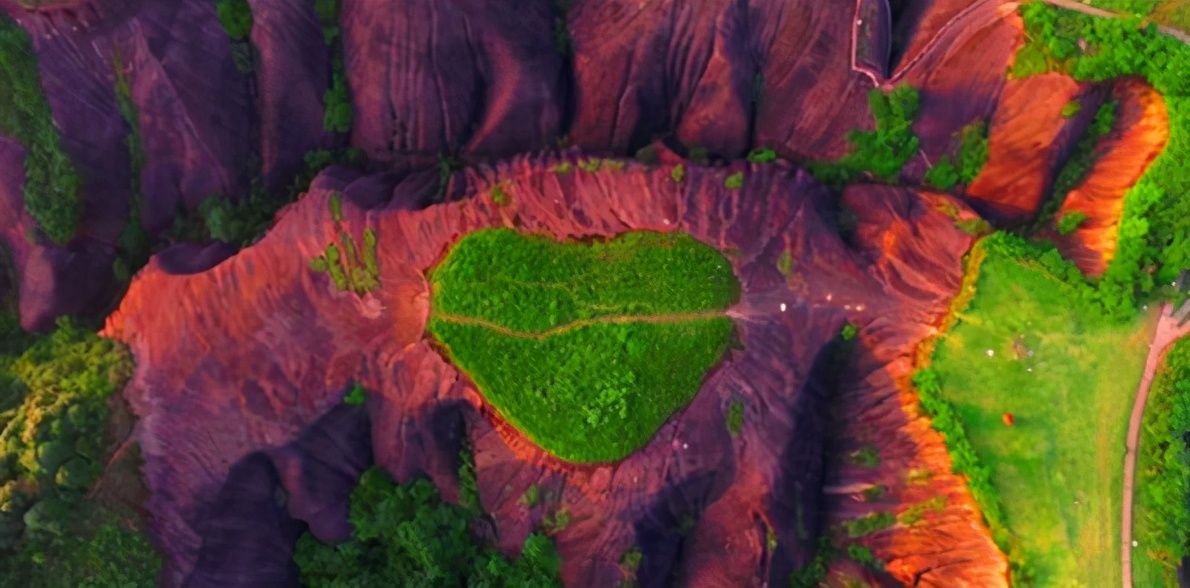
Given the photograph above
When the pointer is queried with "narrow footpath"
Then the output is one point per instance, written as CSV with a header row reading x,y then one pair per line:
x,y
1168,331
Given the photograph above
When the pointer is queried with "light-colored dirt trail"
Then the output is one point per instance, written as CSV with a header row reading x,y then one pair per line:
x,y
678,317
1091,10
1168,330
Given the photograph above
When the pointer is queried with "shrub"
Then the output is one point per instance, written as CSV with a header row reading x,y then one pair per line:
x,y
762,155
943,175
864,556
236,18
678,173
406,535
869,523
1072,108
352,266
874,492
1071,221
867,456
338,113
734,181
883,152
52,184
1081,159
814,572
355,396
735,417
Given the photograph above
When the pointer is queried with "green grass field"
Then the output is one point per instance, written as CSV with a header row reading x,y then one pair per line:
x,y
587,348
1024,346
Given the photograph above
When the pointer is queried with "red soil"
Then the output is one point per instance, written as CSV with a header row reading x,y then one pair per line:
x,y
236,363
1140,133
1026,141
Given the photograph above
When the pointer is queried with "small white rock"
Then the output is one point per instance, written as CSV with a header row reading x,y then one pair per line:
x,y
685,446
991,353
782,307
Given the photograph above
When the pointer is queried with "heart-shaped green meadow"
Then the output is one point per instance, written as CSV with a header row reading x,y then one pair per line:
x,y
585,347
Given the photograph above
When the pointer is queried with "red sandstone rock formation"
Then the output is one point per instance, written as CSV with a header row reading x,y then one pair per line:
x,y
242,358
1137,138
1027,140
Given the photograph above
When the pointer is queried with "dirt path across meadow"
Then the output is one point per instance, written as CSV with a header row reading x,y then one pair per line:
x,y
1168,330
677,317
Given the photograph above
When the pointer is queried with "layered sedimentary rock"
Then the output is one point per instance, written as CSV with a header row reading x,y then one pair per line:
x,y
1140,132
915,251
473,81
1027,139
258,373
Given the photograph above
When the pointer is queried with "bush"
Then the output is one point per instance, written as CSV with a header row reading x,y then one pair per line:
x,y
971,157
406,535
1072,108
734,181
864,556
735,417
1081,159
883,152
339,113
1070,222
869,523
52,184
236,18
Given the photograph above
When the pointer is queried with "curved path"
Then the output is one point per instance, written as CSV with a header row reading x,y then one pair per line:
x,y
677,317
1168,331
1091,10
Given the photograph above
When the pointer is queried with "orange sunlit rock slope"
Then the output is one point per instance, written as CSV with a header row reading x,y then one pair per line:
x,y
1140,133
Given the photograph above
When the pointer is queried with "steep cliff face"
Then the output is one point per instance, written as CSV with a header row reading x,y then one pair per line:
x,y
1027,139
474,81
1139,134
916,254
257,374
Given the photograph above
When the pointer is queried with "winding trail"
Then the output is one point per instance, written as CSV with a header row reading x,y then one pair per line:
x,y
677,317
1168,330
1091,10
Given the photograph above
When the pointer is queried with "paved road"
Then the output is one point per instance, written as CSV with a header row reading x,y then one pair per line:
x,y
1167,332
1091,10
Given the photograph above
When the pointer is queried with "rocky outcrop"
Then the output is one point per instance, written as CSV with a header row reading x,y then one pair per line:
x,y
916,253
1028,139
259,373
1138,135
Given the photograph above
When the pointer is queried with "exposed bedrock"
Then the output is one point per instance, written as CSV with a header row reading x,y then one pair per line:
x,y
1140,133
260,372
1028,139
478,81
917,256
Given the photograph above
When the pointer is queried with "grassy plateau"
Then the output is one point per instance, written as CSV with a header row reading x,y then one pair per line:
x,y
1031,343
587,348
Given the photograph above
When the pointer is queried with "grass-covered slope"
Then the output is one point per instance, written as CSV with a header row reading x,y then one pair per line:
x,y
587,348
1033,343
1161,512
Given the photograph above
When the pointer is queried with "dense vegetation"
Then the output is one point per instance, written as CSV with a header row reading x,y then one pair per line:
x,y
1036,342
1161,512
586,347
51,183
405,535
54,392
1154,237
963,166
880,153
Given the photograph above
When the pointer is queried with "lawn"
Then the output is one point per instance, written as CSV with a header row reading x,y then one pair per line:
x,y
1025,346
586,347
